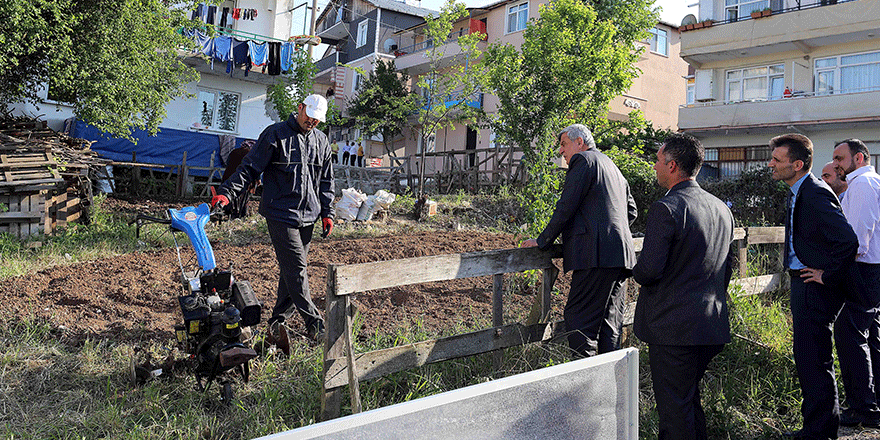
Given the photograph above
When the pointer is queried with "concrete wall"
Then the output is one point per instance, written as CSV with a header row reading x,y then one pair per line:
x,y
593,398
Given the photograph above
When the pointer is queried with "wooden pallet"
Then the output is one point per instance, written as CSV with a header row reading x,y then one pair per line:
x,y
28,171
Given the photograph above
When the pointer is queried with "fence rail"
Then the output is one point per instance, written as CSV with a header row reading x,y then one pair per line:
x,y
342,366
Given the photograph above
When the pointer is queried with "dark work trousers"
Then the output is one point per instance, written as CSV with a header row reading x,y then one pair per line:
x,y
857,338
814,307
345,158
291,249
676,371
594,311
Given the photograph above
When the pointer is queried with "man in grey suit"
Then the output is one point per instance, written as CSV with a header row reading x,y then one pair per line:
x,y
684,269
593,216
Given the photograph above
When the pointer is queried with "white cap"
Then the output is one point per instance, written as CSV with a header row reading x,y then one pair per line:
x,y
316,107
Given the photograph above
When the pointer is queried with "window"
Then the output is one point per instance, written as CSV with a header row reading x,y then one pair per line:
x,y
731,162
847,73
431,142
356,82
517,17
756,83
659,41
218,110
737,9
691,88
362,33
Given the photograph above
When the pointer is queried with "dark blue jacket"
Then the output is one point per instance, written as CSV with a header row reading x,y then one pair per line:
x,y
297,174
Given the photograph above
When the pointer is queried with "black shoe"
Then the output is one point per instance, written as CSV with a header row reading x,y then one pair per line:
x,y
851,418
316,332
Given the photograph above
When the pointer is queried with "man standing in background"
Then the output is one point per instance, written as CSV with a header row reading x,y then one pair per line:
x,y
819,249
593,216
857,329
835,181
684,269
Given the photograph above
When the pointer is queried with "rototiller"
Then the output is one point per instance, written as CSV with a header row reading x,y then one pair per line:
x,y
214,305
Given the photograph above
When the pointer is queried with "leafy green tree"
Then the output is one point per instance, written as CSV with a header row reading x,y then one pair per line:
x,y
575,58
116,61
451,82
290,89
383,103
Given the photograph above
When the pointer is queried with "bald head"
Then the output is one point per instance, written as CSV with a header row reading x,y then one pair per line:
x,y
833,179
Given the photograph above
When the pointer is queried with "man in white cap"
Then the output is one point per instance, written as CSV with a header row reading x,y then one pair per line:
x,y
295,162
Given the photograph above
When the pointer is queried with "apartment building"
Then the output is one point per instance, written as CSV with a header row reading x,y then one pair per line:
x,y
658,92
769,67
358,33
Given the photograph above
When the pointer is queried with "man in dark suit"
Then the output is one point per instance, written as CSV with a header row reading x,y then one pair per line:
x,y
820,247
684,269
593,216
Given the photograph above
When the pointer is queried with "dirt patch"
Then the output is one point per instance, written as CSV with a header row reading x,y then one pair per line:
x,y
133,296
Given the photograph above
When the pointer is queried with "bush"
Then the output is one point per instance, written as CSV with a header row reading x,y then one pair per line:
x,y
754,198
642,181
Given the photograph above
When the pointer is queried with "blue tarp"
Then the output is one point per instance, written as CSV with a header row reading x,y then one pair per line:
x,y
166,148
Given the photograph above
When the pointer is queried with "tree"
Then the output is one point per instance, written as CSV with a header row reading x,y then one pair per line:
x,y
383,103
575,58
451,82
115,60
290,89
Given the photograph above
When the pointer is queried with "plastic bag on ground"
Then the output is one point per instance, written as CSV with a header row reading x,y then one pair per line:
x,y
384,198
368,207
347,208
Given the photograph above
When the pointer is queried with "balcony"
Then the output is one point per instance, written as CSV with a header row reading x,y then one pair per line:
x,y
800,28
805,112
334,25
416,60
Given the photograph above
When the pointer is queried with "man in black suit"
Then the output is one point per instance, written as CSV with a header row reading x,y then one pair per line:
x,y
820,247
593,216
684,269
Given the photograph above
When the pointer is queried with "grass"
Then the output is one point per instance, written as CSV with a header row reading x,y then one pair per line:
x,y
51,387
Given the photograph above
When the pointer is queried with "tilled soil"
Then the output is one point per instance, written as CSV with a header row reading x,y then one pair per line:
x,y
133,297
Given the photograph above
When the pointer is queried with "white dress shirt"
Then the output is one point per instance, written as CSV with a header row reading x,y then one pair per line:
x,y
861,206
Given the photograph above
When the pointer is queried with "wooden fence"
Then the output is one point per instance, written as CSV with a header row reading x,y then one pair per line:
x,y
344,367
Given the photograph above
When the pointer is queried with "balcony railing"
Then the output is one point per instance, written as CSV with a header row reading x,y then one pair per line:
x,y
475,26
785,96
338,14
775,8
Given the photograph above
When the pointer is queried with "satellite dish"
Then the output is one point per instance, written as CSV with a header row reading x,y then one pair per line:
x,y
688,19
389,45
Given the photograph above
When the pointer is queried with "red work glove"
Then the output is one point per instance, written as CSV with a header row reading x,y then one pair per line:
x,y
328,226
219,198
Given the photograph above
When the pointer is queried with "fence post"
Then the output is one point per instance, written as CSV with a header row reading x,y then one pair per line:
x,y
549,278
334,349
742,247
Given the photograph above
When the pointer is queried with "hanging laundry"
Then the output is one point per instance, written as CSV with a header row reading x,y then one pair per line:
x,y
274,58
240,55
259,53
236,13
287,49
253,14
212,11
204,42
222,48
224,16
201,12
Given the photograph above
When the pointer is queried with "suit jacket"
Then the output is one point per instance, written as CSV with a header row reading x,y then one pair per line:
x,y
593,215
684,269
823,239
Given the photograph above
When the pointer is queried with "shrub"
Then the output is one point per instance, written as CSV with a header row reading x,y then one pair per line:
x,y
754,198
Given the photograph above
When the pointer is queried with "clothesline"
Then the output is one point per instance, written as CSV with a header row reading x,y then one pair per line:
x,y
274,56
